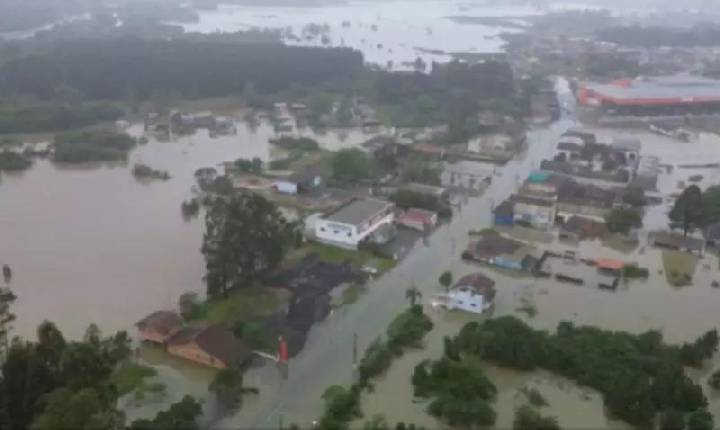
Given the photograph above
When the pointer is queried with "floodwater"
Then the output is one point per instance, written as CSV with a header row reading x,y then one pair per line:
x,y
92,244
681,313
382,30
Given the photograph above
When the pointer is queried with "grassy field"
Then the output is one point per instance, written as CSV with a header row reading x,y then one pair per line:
x,y
332,254
243,305
679,267
131,376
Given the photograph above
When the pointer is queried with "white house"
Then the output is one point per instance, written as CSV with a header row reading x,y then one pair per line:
x,y
299,182
472,293
354,222
535,211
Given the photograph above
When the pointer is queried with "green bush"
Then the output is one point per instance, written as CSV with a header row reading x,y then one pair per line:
x,y
50,117
12,161
638,375
86,146
460,392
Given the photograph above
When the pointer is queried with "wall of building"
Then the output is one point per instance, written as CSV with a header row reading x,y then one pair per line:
x,y
191,352
349,235
153,336
286,187
537,216
466,301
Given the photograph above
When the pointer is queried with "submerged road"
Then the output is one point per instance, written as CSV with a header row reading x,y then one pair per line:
x,y
327,358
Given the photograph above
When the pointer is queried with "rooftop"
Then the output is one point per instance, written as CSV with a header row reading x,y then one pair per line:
x,y
673,240
678,88
477,283
532,201
627,144
215,340
358,211
160,321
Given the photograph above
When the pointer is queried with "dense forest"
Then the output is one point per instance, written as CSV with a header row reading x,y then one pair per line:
x,y
118,68
661,36
42,117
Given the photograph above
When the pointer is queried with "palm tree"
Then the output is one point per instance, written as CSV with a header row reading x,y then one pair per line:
x,y
7,273
413,295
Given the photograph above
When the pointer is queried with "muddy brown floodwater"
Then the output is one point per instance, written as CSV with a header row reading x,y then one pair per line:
x,y
92,244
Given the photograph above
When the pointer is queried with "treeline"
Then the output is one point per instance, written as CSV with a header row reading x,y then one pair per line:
x,y
639,376
118,68
661,36
52,117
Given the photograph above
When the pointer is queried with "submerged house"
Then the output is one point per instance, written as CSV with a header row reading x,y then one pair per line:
x,y
500,251
159,326
418,219
676,242
578,228
209,345
299,182
504,214
472,293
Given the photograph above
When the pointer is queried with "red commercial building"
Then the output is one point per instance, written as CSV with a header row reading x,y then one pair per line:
x,y
653,96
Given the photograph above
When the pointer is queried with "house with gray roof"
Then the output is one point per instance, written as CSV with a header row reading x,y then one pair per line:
x,y
355,221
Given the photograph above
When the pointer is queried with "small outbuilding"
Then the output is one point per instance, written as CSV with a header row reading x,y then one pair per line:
x,y
418,219
209,345
159,326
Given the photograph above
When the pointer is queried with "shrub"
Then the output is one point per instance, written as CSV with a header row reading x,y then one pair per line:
x,y
12,161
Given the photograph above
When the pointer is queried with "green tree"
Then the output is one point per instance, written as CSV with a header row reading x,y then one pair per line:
x,y
526,418
622,220
188,304
344,113
700,420
672,420
412,294
446,279
711,201
689,209
182,415
352,164
86,409
245,236
634,196
227,385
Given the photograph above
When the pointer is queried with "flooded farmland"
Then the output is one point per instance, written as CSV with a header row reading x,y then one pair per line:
x,y
382,31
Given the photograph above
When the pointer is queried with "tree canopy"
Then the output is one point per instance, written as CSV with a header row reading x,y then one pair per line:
x,y
112,68
245,235
352,164
527,418
639,376
622,220
689,210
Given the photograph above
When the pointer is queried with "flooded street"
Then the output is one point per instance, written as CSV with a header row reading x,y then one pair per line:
x,y
327,357
635,307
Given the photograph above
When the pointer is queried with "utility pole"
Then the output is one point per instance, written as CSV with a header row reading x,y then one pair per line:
x,y
355,350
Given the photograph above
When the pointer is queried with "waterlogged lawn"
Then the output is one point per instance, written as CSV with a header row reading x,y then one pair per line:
x,y
130,376
679,267
335,255
242,305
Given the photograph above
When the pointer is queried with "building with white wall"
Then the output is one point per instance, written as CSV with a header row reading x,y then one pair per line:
x,y
472,293
354,222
